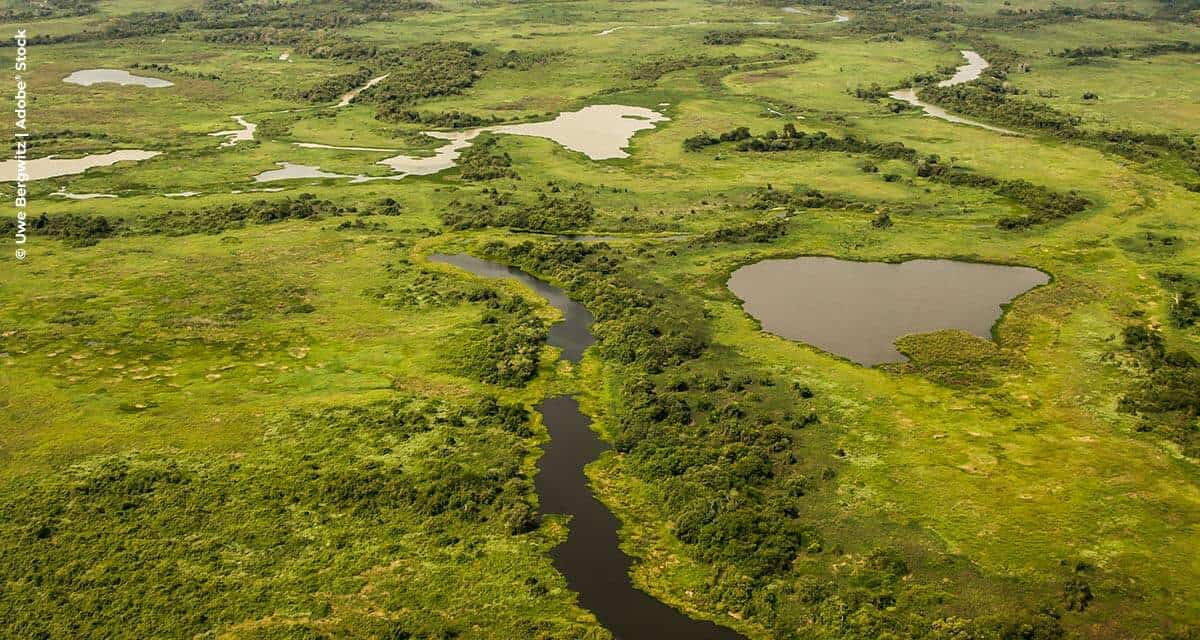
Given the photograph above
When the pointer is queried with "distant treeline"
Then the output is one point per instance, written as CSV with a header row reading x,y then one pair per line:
x,y
650,72
44,9
239,14
933,17
1109,51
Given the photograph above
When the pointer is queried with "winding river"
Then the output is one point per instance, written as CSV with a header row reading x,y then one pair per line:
x,y
591,558
965,73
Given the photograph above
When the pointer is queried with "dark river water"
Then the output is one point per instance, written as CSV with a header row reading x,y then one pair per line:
x,y
590,558
858,309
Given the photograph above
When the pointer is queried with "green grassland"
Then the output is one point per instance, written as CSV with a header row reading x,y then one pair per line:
x,y
280,428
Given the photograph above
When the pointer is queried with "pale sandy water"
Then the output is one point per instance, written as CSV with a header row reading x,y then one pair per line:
x,y
289,171
317,145
600,132
234,136
52,167
89,77
81,196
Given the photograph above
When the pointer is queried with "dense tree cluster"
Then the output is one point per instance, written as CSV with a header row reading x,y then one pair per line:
x,y
484,160
506,348
1184,304
649,72
175,543
702,140
73,229
1167,396
646,326
428,70
738,36
220,218
544,212
755,231
792,140
333,87
446,119
768,197
84,230
992,98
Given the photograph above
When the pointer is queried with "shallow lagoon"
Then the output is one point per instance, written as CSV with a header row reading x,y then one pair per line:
x,y
52,167
600,132
857,310
89,77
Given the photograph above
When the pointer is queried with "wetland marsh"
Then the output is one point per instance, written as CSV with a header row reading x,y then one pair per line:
x,y
595,320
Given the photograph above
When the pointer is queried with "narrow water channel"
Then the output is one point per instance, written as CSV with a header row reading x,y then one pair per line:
x,y
591,558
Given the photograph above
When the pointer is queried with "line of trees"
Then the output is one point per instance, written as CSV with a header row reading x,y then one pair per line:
x,y
1044,204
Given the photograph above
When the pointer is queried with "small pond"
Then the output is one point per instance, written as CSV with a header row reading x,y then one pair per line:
x,y
857,310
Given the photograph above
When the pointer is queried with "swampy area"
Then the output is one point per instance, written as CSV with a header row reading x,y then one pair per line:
x,y
602,320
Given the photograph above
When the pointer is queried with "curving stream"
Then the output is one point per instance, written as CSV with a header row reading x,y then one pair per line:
x,y
968,72
591,558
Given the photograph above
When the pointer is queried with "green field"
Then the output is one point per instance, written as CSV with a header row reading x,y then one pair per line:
x,y
262,412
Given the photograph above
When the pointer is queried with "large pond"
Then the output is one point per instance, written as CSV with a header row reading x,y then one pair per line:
x,y
89,77
590,558
857,310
